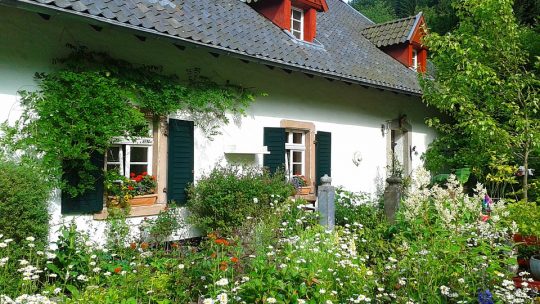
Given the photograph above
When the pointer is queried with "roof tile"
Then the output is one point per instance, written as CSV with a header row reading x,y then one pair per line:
x,y
342,47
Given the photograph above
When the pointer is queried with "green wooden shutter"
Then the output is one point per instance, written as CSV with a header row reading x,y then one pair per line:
x,y
92,200
323,155
274,139
180,160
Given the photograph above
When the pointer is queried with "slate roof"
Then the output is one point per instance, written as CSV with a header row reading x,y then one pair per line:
x,y
340,52
392,32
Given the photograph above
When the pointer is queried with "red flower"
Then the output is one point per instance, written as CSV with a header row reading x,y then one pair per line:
x,y
133,246
132,175
130,188
223,266
213,255
153,178
234,259
144,245
144,173
222,242
118,269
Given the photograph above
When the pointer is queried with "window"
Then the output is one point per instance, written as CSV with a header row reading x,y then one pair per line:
x,y
297,23
295,153
414,64
131,156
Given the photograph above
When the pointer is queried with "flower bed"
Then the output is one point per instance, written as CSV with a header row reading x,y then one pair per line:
x,y
439,251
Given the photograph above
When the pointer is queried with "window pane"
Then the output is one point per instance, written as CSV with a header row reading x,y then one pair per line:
x,y
298,35
139,169
297,157
297,138
296,25
139,154
296,15
112,154
297,169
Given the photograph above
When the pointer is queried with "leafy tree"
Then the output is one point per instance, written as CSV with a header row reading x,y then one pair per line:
x,y
379,11
483,86
440,15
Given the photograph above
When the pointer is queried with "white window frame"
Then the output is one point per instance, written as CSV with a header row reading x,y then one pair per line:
x,y
293,9
414,64
124,159
290,148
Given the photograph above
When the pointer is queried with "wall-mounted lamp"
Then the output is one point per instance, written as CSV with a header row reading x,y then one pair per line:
x,y
413,151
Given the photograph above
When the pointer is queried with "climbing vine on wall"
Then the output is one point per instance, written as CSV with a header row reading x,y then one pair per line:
x,y
92,98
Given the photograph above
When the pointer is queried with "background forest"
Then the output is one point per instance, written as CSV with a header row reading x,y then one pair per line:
x,y
440,14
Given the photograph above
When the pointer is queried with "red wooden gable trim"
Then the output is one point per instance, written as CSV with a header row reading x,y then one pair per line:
x,y
419,32
319,5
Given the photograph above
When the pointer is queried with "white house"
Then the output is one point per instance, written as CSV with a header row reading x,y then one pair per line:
x,y
337,102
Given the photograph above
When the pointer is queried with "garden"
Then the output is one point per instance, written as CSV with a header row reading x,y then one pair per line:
x,y
450,241
445,246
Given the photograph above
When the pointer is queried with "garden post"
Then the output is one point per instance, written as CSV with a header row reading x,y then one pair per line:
x,y
326,204
392,197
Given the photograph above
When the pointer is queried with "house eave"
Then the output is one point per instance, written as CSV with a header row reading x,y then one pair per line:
x,y
96,20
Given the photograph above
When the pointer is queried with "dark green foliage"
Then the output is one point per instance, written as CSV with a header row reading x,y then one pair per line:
x,y
486,90
222,200
441,16
92,98
379,11
24,195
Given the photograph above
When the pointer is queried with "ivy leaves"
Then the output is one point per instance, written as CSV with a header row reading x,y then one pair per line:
x,y
79,109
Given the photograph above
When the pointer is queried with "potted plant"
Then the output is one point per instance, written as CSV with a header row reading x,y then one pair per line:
x,y
142,188
300,184
534,264
139,190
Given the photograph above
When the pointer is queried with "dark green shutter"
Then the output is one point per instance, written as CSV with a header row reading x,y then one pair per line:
x,y
92,200
274,139
323,155
180,160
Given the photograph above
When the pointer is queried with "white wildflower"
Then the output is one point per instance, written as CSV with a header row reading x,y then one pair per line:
x,y
222,298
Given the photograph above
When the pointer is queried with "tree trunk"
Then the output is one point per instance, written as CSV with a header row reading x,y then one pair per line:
x,y
526,173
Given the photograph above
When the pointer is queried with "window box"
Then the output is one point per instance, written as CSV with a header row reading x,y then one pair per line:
x,y
139,200
303,190
143,200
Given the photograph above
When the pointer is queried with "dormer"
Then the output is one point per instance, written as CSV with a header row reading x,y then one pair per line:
x,y
401,39
298,17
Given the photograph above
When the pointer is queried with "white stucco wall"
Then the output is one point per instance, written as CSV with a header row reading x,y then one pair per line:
x,y
352,113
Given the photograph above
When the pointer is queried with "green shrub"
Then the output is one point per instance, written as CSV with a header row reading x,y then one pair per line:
x,y
526,215
224,199
24,195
